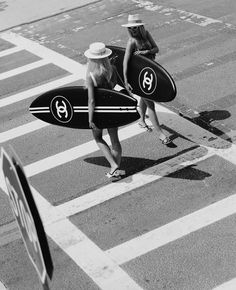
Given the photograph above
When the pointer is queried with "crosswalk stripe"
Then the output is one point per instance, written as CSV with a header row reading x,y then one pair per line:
x,y
229,285
22,130
10,51
38,90
23,69
173,230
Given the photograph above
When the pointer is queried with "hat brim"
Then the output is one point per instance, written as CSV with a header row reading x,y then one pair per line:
x,y
133,24
90,55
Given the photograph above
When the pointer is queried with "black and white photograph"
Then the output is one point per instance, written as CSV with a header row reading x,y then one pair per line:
x,y
117,145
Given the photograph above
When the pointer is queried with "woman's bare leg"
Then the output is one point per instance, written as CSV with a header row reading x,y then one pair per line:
x,y
116,150
154,119
97,133
142,108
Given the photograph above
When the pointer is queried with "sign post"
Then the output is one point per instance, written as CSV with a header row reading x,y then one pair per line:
x,y
27,217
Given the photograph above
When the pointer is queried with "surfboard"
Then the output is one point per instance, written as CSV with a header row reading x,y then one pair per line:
x,y
147,77
68,107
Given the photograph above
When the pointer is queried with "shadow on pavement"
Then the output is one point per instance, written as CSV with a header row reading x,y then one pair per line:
x,y
209,120
132,165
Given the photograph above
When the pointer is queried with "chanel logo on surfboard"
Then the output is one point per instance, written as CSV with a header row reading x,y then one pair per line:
x,y
61,109
147,80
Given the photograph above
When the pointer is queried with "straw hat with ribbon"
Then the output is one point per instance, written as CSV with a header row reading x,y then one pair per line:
x,y
133,20
97,50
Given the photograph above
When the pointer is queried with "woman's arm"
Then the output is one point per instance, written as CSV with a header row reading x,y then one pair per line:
x,y
91,101
128,53
155,48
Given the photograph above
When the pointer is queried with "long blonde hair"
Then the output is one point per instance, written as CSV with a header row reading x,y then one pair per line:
x,y
101,70
142,33
141,38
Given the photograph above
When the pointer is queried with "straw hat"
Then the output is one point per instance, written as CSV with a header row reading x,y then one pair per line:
x,y
133,20
97,50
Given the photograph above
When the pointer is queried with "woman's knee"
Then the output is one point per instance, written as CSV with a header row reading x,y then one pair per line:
x,y
150,105
97,135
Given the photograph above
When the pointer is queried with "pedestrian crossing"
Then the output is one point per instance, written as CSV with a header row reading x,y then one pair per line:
x,y
104,267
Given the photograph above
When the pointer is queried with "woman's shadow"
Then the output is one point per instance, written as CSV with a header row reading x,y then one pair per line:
x,y
209,120
132,165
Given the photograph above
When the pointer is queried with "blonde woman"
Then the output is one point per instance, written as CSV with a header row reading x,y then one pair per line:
x,y
140,42
100,73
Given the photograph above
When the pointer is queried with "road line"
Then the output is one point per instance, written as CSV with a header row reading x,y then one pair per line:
x,y
135,181
10,51
23,69
229,285
22,130
38,90
174,230
45,53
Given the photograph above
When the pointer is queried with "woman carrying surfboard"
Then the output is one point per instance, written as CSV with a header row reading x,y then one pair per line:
x,y
140,42
100,73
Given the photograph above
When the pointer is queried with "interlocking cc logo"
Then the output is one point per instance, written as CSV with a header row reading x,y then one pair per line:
x,y
147,80
61,109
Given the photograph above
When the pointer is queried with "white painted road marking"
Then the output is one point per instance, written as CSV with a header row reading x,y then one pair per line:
x,y
230,285
23,69
10,51
173,230
22,130
37,90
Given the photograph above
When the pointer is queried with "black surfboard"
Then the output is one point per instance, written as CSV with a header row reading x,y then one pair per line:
x,y
147,77
68,107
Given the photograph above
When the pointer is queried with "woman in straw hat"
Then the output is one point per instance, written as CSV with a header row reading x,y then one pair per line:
x,y
100,73
140,42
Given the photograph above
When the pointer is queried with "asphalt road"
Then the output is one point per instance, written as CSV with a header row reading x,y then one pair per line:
x,y
170,223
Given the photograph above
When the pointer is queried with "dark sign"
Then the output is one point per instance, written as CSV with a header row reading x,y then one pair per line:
x,y
27,216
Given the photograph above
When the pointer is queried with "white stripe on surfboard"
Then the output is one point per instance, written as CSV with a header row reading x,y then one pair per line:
x,y
105,107
38,108
110,111
39,112
86,111
86,107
